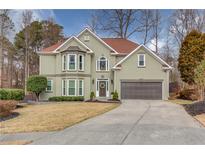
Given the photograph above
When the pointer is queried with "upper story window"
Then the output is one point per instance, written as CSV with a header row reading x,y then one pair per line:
x,y
80,62
141,60
102,64
71,62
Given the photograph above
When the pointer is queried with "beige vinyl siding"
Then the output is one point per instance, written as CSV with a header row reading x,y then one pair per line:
x,y
47,64
99,51
152,71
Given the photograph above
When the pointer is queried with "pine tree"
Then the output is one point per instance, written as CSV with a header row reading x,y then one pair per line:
x,y
190,55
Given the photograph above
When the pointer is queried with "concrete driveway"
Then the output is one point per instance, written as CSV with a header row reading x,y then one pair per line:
x,y
134,122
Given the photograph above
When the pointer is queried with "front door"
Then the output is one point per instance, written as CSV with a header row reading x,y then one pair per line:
x,y
102,88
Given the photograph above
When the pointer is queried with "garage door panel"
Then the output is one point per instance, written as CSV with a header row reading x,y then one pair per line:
x,y
141,90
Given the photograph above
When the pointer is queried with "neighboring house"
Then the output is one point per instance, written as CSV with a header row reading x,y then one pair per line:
x,y
87,63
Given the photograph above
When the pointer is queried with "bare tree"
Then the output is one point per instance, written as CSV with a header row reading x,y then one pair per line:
x,y
93,23
146,22
119,23
27,16
169,53
6,26
183,21
156,28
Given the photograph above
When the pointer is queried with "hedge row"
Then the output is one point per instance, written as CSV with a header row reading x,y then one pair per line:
x,y
11,94
66,98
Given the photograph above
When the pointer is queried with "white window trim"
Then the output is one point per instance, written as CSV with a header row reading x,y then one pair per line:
x,y
68,87
51,86
82,62
63,61
107,87
82,87
68,61
65,87
138,62
98,62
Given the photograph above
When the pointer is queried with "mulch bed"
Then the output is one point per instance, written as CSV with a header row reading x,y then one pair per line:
x,y
11,116
195,108
104,101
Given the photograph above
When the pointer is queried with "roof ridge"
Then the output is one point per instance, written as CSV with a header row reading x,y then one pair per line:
x,y
113,38
120,38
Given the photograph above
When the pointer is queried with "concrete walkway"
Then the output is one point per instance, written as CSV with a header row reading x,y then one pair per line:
x,y
134,122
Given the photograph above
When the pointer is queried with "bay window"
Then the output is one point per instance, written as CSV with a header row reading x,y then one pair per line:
x,y
73,62
72,87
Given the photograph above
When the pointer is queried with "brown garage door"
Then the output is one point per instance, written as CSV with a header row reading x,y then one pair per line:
x,y
141,90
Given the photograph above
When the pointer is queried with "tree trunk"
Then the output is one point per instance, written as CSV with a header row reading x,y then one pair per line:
x,y
37,97
10,62
202,93
1,58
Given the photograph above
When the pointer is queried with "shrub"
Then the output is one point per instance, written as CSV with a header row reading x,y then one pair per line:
x,y
92,95
11,94
188,94
37,84
6,107
115,95
66,98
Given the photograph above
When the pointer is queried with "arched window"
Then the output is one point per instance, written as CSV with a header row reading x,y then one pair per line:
x,y
102,64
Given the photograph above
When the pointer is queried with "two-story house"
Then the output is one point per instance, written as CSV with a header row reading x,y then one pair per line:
x,y
85,63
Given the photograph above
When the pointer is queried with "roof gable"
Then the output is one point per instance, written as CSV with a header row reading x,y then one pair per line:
x,y
75,39
98,38
146,50
53,47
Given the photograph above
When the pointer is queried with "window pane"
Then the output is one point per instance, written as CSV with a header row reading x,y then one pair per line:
x,y
102,65
71,62
141,57
71,88
49,85
71,91
64,87
72,83
64,62
141,63
80,62
80,87
141,60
